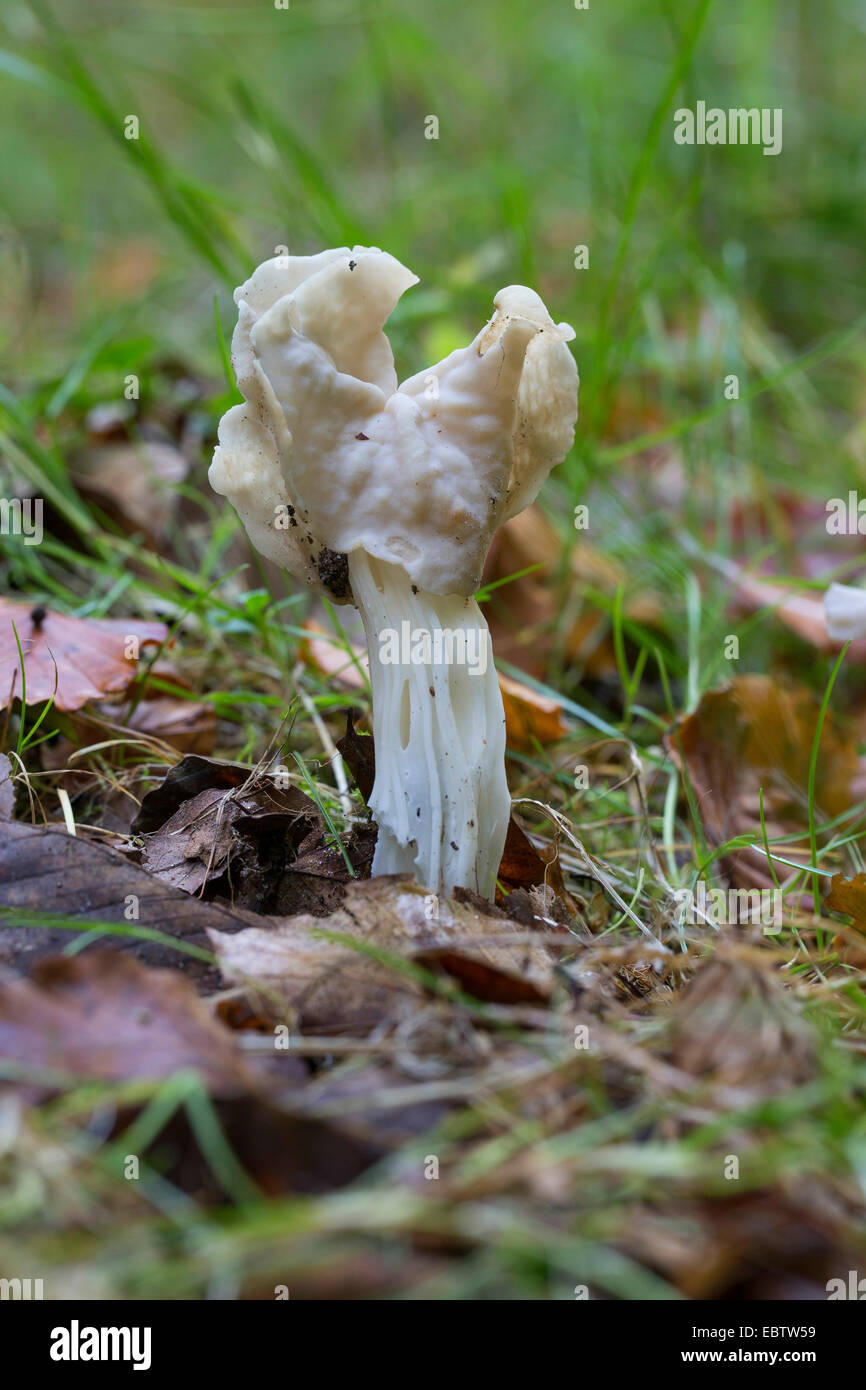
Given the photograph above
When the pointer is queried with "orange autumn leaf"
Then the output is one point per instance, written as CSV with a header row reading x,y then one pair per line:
x,y
530,716
848,896
329,658
755,735
85,658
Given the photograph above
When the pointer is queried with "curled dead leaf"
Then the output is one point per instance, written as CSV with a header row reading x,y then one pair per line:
x,y
209,832
528,876
359,754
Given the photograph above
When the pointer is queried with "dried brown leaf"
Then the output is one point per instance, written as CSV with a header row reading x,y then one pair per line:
x,y
754,734
105,1016
84,657
334,986
135,484
43,869
848,896
359,754
736,1023
102,1016
530,717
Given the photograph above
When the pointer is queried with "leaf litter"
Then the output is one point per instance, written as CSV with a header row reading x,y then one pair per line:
x,y
329,1020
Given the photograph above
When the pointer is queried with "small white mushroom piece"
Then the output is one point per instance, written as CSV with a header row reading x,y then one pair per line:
x,y
845,612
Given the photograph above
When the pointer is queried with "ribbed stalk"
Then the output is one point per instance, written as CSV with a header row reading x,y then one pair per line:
x,y
440,797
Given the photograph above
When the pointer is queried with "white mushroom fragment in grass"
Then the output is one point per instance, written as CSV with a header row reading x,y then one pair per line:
x,y
845,612
388,496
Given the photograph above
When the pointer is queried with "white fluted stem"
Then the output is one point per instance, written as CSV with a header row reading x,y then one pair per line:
x,y
440,797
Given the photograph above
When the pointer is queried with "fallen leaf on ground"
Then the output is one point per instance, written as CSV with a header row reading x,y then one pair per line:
x,y
521,865
526,876
193,774
239,831
45,870
85,657
315,880
530,717
359,754
848,896
753,734
243,836
735,1022
194,845
335,986
106,1017
134,483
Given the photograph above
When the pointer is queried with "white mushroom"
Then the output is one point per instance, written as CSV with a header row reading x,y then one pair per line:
x,y
389,496
845,612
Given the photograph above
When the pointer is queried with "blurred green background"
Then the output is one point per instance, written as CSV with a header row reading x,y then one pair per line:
x,y
306,127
